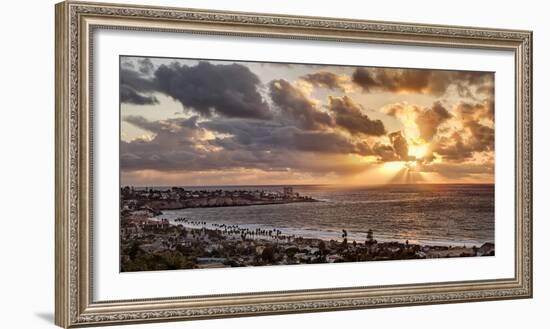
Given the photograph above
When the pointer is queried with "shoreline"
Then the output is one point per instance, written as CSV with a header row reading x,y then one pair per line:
x,y
334,235
148,243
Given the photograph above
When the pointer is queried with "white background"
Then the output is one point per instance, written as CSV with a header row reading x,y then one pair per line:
x,y
27,163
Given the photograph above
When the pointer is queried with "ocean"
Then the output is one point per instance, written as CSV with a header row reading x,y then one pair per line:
x,y
432,214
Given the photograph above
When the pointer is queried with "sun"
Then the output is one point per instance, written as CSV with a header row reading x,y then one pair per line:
x,y
411,165
418,150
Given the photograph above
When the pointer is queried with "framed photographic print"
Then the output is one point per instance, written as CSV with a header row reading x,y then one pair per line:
x,y
218,164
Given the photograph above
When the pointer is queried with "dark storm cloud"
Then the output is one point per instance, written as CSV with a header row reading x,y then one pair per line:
x,y
422,81
349,116
172,147
325,79
429,120
130,96
329,142
297,106
260,136
243,132
146,66
255,144
229,90
135,88
137,81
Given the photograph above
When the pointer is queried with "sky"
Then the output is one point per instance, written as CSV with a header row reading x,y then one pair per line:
x,y
195,122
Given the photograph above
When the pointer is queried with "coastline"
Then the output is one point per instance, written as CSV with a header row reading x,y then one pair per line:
x,y
149,243
213,203
178,198
326,235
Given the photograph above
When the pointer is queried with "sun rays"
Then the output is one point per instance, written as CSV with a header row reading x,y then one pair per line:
x,y
403,172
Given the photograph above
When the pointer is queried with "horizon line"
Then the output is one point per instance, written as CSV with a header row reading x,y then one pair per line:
x,y
330,184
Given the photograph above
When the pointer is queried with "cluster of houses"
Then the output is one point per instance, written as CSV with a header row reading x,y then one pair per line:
x,y
179,193
180,198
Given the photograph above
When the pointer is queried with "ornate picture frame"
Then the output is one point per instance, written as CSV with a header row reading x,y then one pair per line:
x,y
76,22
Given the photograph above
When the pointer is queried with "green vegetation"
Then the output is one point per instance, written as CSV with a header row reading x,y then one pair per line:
x,y
138,260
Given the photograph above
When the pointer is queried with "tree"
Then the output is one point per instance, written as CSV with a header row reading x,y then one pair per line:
x,y
370,237
322,247
268,255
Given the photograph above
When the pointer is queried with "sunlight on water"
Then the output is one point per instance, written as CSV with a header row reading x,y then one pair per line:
x,y
436,214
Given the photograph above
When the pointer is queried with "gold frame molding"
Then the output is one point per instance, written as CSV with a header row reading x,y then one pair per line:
x,y
75,24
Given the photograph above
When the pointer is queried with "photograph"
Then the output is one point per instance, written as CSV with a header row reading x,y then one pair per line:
x,y
216,163
227,163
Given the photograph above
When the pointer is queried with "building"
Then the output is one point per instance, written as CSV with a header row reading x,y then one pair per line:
x,y
288,192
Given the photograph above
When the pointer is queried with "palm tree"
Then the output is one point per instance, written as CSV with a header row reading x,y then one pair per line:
x,y
369,236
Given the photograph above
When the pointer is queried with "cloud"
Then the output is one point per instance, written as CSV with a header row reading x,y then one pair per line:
x,y
456,135
453,147
239,125
176,144
137,81
349,116
477,111
328,80
429,120
400,145
183,127
396,80
463,144
474,132
385,152
422,122
329,142
131,96
229,90
482,137
136,88
400,109
180,145
260,136
422,81
295,105
146,65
